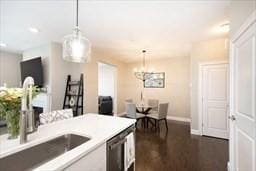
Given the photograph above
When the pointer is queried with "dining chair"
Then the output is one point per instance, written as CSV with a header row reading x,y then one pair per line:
x,y
160,115
131,101
55,116
154,103
131,112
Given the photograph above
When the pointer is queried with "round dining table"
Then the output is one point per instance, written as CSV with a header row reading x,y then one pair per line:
x,y
144,108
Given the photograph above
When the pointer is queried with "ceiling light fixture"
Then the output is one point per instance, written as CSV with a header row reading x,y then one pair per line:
x,y
3,45
76,48
225,27
142,73
33,29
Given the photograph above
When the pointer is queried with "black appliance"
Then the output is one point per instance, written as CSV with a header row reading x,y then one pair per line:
x,y
34,69
105,105
115,151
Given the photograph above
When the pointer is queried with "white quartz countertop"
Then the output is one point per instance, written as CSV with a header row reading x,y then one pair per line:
x,y
98,128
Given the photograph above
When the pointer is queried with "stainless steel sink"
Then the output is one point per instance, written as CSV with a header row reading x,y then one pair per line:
x,y
35,156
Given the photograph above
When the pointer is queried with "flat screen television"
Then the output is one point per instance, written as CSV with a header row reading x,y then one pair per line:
x,y
34,69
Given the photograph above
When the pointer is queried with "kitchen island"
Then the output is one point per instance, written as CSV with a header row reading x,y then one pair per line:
x,y
90,155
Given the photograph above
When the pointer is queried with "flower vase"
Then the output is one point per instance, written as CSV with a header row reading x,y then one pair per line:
x,y
13,127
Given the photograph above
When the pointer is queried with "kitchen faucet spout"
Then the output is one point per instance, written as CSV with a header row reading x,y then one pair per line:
x,y
27,117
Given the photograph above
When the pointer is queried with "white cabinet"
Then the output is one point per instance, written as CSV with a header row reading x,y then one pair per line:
x,y
93,161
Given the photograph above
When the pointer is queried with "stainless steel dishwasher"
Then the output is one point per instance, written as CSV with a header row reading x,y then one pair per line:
x,y
115,151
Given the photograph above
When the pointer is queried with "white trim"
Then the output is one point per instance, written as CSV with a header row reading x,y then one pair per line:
x,y
177,118
228,166
248,22
195,132
200,94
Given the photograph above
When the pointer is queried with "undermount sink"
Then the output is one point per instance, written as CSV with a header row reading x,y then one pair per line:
x,y
35,156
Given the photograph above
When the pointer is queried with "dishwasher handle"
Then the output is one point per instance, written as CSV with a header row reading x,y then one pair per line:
x,y
112,146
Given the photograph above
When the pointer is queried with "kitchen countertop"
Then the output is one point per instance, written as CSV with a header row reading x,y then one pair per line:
x,y
99,128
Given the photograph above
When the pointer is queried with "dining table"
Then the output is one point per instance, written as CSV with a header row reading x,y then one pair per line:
x,y
144,108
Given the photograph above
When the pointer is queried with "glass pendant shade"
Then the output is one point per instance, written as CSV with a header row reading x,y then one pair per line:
x,y
76,48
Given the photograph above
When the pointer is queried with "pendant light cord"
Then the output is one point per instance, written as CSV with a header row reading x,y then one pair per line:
x,y
144,51
77,13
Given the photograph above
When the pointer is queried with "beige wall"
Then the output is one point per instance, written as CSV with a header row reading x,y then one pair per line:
x,y
207,51
176,90
91,80
10,69
239,11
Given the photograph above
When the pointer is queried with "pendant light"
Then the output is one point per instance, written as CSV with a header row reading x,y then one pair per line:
x,y
76,48
143,74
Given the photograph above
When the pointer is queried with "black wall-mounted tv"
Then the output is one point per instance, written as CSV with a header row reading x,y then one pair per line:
x,y
34,69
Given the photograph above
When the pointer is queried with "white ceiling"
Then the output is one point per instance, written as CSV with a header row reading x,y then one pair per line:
x,y
122,28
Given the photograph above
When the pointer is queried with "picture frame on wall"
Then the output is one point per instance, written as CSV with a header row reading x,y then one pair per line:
x,y
154,80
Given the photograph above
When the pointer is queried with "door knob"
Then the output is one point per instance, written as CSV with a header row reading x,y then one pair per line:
x,y
232,118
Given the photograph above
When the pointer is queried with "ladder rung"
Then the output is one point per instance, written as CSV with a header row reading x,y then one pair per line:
x,y
74,95
74,83
79,106
78,95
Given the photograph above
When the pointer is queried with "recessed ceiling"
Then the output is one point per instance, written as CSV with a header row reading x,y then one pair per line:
x,y
122,28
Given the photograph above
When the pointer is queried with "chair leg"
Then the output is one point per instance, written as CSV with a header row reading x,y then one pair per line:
x,y
158,125
165,120
144,123
155,124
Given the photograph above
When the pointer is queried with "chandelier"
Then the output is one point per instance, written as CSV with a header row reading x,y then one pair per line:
x,y
143,74
76,48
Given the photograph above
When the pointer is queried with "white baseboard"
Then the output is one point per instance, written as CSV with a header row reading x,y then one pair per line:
x,y
176,118
195,132
228,166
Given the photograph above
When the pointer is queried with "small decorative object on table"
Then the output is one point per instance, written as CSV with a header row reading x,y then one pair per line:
x,y
10,106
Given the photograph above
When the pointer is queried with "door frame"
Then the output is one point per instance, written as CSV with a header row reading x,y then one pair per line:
x,y
115,100
200,92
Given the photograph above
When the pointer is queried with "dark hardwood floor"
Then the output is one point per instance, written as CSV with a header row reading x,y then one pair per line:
x,y
178,150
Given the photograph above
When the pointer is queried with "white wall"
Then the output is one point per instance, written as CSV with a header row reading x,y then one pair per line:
x,y
10,69
106,76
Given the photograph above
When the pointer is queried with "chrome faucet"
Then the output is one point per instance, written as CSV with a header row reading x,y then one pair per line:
x,y
27,122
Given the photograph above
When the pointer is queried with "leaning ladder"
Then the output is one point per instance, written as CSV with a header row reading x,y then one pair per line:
x,y
74,95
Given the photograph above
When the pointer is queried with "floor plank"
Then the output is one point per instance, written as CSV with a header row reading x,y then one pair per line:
x,y
178,150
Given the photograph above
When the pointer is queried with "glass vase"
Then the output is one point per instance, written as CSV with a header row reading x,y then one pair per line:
x,y
13,120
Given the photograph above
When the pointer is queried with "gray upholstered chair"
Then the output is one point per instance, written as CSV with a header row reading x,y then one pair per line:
x,y
155,103
160,115
131,111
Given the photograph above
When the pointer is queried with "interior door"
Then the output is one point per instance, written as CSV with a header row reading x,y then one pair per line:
x,y
215,100
243,89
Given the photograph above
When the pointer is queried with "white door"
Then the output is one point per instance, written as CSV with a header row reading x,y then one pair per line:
x,y
242,109
215,83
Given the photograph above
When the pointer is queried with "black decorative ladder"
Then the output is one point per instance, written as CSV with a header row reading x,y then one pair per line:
x,y
74,95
